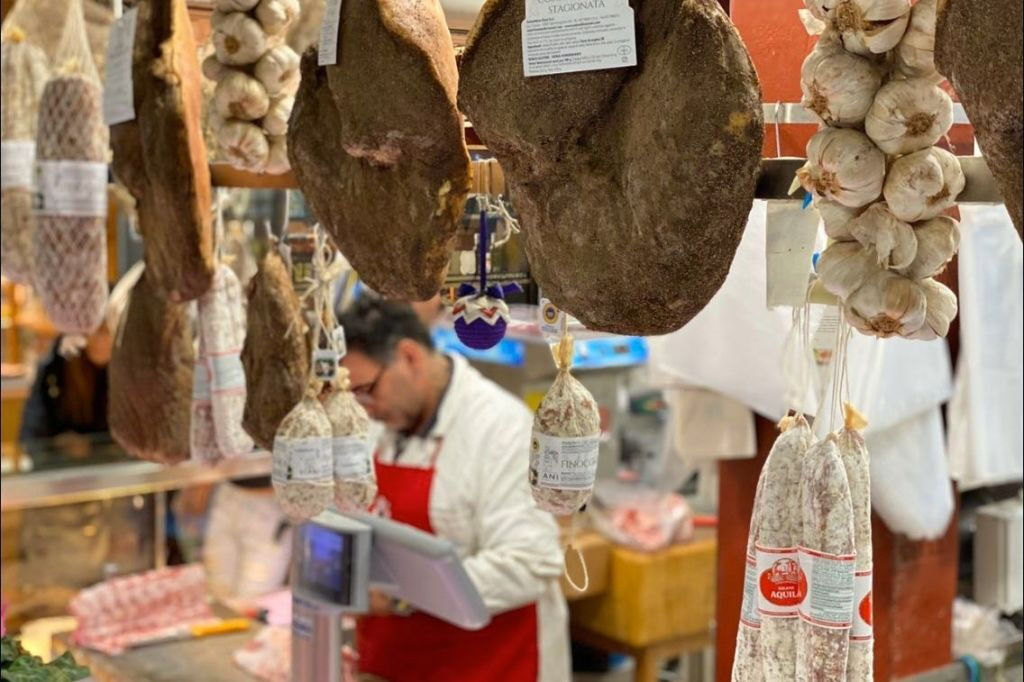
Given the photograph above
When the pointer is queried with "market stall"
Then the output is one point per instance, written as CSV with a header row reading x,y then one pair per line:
x,y
518,339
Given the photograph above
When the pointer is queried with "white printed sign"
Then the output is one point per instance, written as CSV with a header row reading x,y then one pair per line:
x,y
351,457
781,584
327,52
302,459
829,600
118,90
17,162
564,463
71,189
567,36
749,615
863,613
228,373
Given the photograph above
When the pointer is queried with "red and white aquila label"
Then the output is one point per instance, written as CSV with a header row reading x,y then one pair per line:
x,y
830,595
781,583
863,628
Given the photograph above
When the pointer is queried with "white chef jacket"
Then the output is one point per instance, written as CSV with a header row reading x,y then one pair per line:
x,y
480,501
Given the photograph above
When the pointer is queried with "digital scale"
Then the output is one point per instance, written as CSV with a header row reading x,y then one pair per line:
x,y
337,559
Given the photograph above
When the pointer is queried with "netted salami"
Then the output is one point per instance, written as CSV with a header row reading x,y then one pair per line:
x,y
854,453
222,330
151,377
565,440
779,585
355,484
746,661
24,70
827,563
303,465
203,433
276,354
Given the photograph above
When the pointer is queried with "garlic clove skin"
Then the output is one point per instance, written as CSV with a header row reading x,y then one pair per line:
x,y
278,71
887,305
937,242
908,116
277,16
276,120
838,87
843,165
836,218
239,95
941,307
238,39
213,69
277,157
844,267
923,184
243,144
870,26
914,57
893,240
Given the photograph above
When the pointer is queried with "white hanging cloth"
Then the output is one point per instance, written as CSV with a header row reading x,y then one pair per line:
x,y
986,415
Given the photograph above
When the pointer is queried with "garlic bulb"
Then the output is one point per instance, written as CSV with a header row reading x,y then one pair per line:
x,y
213,69
234,5
277,159
941,308
836,218
278,70
892,240
937,242
845,266
843,165
923,184
887,305
870,26
238,39
276,16
276,120
914,57
244,145
239,95
838,86
908,115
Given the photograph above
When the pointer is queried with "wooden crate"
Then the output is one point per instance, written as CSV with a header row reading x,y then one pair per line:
x,y
654,597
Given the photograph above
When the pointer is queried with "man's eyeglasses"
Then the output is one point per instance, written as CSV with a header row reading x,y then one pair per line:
x,y
365,392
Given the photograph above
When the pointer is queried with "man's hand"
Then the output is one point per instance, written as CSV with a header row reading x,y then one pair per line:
x,y
380,604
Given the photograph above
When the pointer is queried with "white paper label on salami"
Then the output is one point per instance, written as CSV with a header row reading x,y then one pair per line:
x,y
352,458
748,612
201,382
71,189
781,584
118,91
327,52
302,459
568,36
863,614
17,163
564,463
830,595
228,373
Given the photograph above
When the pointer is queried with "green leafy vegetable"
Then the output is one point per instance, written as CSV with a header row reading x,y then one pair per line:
x,y
18,665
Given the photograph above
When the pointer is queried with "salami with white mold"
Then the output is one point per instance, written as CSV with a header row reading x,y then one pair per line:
x,y
854,453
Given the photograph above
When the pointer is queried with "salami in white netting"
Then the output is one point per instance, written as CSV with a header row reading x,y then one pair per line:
x,y
355,483
303,465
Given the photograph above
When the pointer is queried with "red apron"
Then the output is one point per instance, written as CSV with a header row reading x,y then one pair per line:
x,y
421,648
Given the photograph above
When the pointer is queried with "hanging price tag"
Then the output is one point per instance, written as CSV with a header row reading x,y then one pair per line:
x,y
549,317
567,36
325,364
118,91
327,52
339,341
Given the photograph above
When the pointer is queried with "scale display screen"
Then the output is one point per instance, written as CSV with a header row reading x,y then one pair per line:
x,y
325,563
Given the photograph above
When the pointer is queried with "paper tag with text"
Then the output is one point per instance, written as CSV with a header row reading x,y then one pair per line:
x,y
118,90
327,52
568,36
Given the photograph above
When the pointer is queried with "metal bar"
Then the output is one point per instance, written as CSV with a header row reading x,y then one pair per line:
x,y
777,176
794,112
104,481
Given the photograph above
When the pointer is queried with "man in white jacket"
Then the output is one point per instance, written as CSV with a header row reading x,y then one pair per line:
x,y
452,461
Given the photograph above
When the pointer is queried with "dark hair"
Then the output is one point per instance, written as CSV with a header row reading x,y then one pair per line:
x,y
374,327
